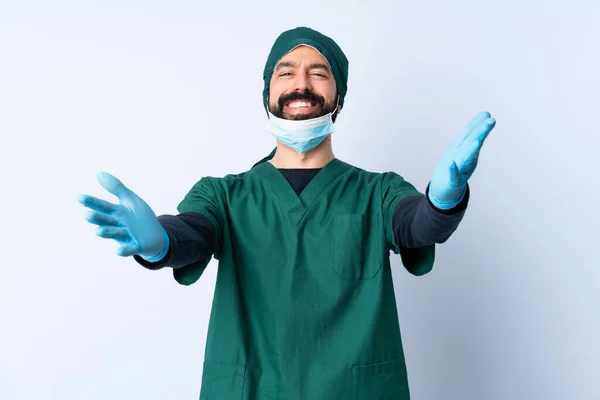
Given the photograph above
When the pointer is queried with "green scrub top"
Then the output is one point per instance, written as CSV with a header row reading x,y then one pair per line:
x,y
304,305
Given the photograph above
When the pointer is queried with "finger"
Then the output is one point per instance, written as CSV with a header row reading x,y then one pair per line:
x,y
476,121
128,249
455,177
98,218
113,232
481,132
97,204
112,184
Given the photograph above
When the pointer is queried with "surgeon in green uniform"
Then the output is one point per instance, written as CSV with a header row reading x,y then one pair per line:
x,y
304,305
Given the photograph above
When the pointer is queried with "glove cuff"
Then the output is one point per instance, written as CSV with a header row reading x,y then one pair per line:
x,y
451,198
160,255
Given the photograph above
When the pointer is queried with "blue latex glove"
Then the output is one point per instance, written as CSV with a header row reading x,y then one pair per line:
x,y
449,183
132,223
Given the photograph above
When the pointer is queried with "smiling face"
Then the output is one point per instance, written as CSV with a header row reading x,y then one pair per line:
x,y
302,86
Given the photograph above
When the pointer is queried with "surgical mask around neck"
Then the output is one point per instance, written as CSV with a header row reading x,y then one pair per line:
x,y
303,135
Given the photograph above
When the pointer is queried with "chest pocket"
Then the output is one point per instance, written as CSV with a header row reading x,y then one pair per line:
x,y
357,246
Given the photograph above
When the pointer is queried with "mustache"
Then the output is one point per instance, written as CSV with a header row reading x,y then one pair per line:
x,y
301,96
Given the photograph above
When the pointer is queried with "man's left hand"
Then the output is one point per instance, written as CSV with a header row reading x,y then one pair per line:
x,y
449,183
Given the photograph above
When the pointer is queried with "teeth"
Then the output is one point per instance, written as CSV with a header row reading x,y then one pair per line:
x,y
297,104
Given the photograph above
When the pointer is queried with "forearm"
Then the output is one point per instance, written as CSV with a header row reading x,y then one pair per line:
x,y
418,223
191,239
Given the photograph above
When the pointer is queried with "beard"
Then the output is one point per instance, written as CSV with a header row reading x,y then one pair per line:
x,y
321,107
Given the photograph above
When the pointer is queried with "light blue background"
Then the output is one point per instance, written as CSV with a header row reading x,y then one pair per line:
x,y
163,93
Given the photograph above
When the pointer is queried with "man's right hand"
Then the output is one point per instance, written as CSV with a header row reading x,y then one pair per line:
x,y
132,223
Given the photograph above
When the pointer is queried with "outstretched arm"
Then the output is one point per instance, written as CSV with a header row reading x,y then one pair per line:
x,y
417,222
191,239
425,220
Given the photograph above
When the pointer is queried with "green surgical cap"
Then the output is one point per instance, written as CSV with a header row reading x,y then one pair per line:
x,y
293,38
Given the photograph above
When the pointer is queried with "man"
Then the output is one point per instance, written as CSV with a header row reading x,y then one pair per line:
x,y
304,305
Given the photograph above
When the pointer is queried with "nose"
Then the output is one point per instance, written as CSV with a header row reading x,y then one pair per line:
x,y
302,82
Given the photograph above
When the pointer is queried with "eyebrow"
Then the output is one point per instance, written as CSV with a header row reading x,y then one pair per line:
x,y
292,64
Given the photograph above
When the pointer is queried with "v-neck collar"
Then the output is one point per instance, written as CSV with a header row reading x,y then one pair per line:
x,y
298,205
